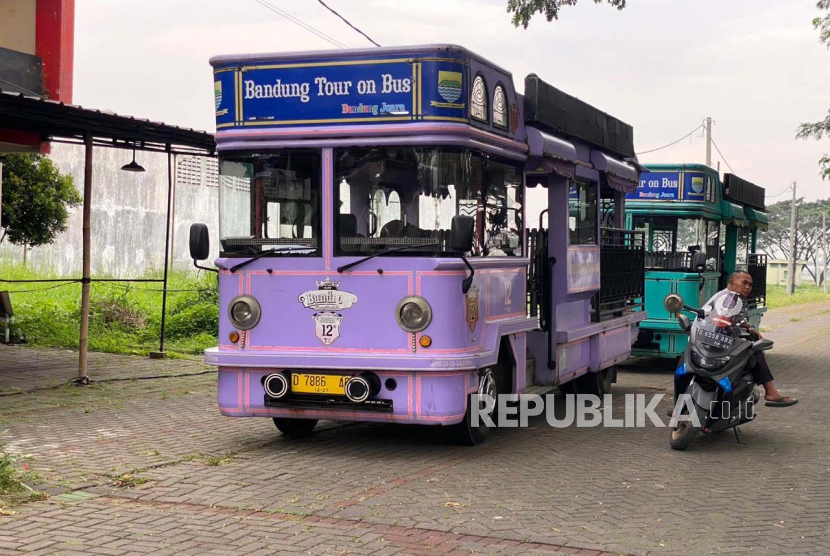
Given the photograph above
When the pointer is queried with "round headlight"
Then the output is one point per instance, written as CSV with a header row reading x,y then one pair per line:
x,y
413,313
673,303
244,312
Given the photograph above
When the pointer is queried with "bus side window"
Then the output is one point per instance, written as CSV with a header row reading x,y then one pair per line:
x,y
582,214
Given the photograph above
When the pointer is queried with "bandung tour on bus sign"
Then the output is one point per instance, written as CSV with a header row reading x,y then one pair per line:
x,y
340,92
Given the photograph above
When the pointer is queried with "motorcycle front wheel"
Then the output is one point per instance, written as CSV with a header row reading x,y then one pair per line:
x,y
684,432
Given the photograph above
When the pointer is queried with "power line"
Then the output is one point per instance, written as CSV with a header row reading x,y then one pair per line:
x,y
673,142
779,194
722,157
296,21
349,24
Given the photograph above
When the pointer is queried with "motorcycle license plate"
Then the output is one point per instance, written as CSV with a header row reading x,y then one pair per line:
x,y
716,340
302,383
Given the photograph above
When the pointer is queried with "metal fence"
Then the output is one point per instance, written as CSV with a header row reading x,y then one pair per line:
x,y
757,268
622,273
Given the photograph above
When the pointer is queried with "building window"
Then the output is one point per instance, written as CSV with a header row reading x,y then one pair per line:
x,y
478,100
582,217
500,118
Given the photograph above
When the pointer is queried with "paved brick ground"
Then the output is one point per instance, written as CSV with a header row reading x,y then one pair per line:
x,y
217,485
23,369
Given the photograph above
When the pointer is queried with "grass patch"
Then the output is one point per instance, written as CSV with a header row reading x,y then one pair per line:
x,y
215,461
13,487
805,294
126,480
124,318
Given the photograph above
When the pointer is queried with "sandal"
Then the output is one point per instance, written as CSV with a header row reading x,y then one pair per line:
x,y
783,401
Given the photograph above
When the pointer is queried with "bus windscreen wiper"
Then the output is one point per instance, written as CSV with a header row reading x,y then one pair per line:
x,y
380,253
270,252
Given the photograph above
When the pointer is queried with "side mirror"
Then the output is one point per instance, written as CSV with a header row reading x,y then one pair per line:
x,y
461,233
684,322
699,262
199,242
762,344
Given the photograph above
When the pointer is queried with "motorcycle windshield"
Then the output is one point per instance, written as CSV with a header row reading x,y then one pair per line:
x,y
719,328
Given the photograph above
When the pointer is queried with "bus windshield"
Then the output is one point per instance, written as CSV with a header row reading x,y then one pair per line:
x,y
672,241
270,200
407,196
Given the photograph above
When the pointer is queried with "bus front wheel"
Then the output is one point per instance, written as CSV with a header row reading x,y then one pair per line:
x,y
465,432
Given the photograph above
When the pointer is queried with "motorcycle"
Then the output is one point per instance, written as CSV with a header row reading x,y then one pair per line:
x,y
715,373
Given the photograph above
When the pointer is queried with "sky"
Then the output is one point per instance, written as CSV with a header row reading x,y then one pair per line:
x,y
755,67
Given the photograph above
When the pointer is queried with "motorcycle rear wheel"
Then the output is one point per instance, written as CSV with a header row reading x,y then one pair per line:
x,y
684,433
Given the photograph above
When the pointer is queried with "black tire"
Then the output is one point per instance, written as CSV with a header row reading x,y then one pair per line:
x,y
464,433
598,383
295,428
684,433
570,387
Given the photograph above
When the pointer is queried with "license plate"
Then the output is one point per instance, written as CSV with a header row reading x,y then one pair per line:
x,y
302,383
714,339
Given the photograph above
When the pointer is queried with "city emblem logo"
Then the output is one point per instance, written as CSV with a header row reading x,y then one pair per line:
x,y
327,299
449,85
697,185
217,93
471,298
327,327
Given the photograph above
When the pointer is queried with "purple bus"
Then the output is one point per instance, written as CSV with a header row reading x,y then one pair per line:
x,y
377,262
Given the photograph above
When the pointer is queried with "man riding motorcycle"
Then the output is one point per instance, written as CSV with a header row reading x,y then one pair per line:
x,y
732,310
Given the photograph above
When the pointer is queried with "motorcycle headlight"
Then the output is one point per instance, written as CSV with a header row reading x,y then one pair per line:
x,y
708,363
413,313
244,312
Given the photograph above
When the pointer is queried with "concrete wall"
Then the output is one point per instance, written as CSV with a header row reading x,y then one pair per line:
x,y
17,25
129,214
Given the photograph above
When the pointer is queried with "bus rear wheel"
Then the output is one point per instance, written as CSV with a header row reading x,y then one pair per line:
x,y
295,428
465,433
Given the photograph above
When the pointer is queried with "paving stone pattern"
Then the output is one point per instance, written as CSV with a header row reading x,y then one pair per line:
x,y
218,485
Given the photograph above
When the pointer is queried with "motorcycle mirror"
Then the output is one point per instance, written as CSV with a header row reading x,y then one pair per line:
x,y
762,344
673,303
684,322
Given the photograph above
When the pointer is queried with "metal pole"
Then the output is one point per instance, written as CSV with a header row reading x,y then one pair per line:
x,y
84,339
166,248
824,249
709,142
793,231
173,215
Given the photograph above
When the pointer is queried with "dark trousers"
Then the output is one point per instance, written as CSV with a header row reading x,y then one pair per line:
x,y
761,371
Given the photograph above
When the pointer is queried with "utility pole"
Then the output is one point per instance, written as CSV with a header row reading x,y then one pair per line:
x,y
793,231
709,142
824,249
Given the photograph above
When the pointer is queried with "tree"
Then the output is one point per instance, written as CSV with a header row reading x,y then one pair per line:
x,y
775,242
524,10
36,197
818,130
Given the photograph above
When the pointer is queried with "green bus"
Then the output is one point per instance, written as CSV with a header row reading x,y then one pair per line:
x,y
698,230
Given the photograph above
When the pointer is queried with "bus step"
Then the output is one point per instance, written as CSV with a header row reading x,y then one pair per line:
x,y
539,389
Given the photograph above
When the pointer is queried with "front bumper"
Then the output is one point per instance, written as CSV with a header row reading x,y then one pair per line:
x,y
418,397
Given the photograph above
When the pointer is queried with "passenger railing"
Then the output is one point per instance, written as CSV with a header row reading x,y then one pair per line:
x,y
622,274
757,268
668,261
538,275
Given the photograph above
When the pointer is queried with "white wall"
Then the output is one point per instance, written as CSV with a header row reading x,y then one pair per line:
x,y
128,214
